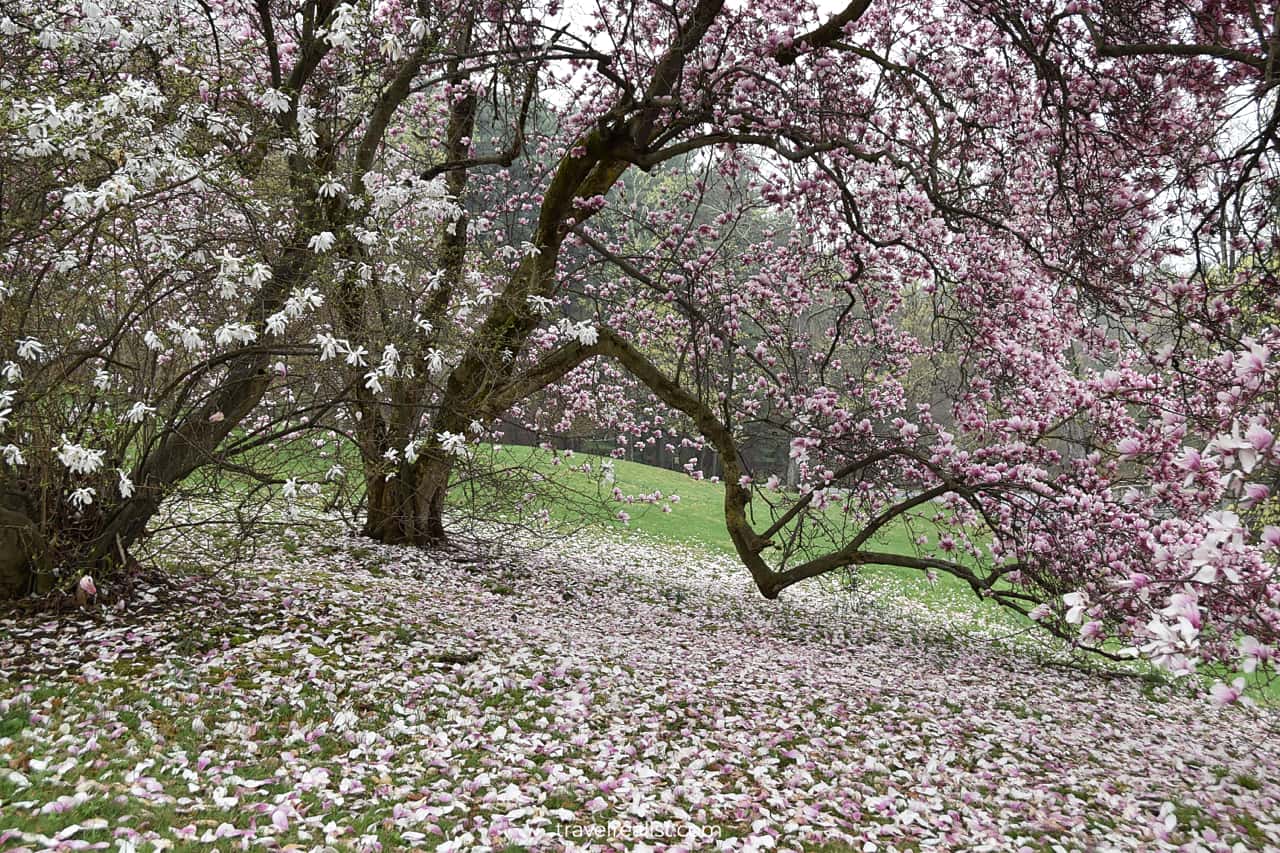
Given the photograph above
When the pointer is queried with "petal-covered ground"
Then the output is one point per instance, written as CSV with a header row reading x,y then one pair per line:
x,y
601,695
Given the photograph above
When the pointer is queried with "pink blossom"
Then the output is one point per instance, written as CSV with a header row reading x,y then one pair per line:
x,y
1226,694
1260,437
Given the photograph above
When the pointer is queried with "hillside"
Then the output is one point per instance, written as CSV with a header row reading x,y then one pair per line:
x,y
343,695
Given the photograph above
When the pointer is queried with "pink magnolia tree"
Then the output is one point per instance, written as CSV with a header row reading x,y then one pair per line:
x,y
398,225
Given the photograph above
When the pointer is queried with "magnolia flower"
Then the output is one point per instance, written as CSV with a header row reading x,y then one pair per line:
x,y
1245,449
152,341
587,334
355,356
125,484
1130,447
87,586
799,450
1170,645
1226,694
238,333
12,455
452,443
1077,603
541,304
290,488
1091,631
335,472
277,323
322,242
138,411
258,275
1253,653
81,497
435,361
191,340
80,460
1040,612
330,188
11,372
217,418
300,301
275,101
391,47
1251,365
30,349
390,358
1255,493
329,345
1259,437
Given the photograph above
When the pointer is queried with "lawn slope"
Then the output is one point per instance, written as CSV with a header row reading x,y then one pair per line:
x,y
601,694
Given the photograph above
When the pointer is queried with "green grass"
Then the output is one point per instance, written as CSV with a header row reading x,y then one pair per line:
x,y
698,520
576,499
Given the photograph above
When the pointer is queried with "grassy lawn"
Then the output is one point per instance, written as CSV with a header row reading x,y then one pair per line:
x,y
574,496
697,519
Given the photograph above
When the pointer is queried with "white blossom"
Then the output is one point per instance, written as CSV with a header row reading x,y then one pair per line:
x,y
30,349
329,345
239,333
1077,602
330,187
138,411
277,323
274,101
191,339
125,484
452,443
79,459
322,242
259,274
356,356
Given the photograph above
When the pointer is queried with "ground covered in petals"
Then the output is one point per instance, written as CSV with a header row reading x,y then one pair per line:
x,y
600,694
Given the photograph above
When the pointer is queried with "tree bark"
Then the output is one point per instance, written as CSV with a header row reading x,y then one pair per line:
x,y
25,560
408,509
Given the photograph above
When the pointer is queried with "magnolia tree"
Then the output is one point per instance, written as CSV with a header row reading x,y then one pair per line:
x,y
399,225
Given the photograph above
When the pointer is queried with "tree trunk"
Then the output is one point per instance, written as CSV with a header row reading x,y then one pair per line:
x,y
24,556
408,509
